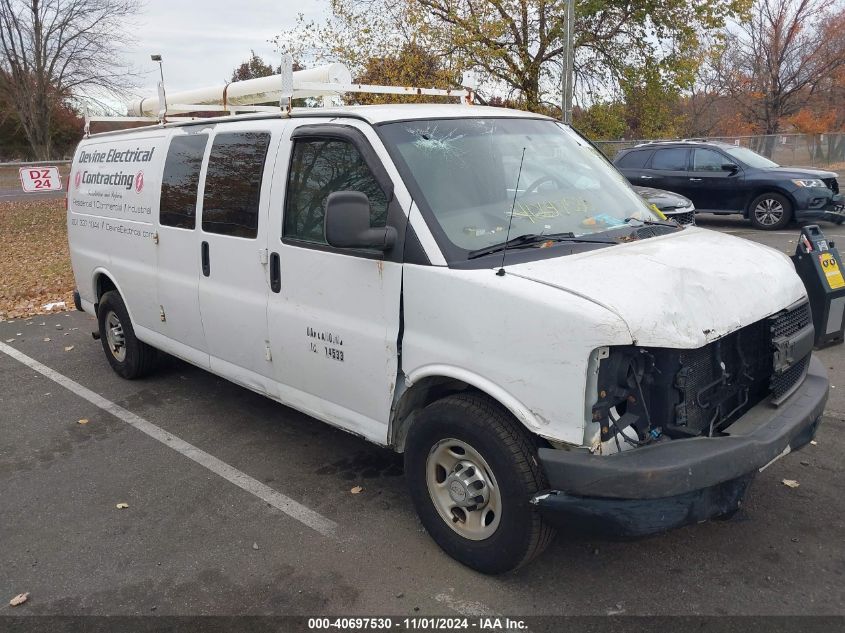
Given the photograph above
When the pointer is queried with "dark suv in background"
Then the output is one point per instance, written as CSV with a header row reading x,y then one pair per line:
x,y
723,178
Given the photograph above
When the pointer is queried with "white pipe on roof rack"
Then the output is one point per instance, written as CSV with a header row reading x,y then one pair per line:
x,y
249,91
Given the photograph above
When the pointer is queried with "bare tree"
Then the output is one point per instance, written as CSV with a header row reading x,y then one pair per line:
x,y
773,63
54,50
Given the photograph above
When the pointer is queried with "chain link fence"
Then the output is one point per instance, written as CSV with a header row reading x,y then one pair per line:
x,y
824,151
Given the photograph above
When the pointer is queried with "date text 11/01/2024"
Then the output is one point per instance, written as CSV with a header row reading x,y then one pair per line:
x,y
423,623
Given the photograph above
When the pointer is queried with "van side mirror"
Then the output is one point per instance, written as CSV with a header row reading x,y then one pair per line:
x,y
347,223
731,167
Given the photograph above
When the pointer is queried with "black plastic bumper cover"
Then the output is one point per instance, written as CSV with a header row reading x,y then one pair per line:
x,y
680,481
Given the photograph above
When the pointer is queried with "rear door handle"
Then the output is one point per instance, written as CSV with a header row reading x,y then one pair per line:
x,y
206,264
275,272
695,179
646,177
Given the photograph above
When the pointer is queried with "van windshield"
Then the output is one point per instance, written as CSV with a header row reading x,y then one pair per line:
x,y
465,173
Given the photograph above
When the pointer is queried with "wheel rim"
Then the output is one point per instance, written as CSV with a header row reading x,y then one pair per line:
x,y
463,489
768,212
115,336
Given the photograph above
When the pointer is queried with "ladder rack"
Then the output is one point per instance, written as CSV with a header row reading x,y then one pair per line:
x,y
252,95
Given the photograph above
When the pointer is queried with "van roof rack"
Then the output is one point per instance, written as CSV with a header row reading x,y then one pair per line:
x,y
252,95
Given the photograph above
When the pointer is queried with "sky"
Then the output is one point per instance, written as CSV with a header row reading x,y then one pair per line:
x,y
201,42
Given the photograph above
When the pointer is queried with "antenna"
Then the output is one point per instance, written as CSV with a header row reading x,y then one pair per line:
x,y
501,270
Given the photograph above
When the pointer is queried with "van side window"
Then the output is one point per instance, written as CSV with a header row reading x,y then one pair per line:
x,y
233,183
320,167
179,184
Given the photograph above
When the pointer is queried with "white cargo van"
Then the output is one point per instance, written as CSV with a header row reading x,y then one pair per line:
x,y
477,288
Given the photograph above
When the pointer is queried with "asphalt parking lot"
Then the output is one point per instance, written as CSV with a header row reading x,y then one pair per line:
x,y
220,482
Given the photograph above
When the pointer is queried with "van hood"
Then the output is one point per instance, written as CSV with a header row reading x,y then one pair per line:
x,y
680,290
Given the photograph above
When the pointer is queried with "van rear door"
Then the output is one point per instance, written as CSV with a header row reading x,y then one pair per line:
x,y
231,249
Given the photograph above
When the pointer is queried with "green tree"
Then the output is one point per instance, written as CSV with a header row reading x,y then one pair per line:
x,y
652,103
411,66
517,44
604,120
253,68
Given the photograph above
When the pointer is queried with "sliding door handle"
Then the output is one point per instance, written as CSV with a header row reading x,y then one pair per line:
x,y
275,272
206,264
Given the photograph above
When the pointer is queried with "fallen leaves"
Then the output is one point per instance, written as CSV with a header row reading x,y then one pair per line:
x,y
46,339
357,490
122,506
791,483
19,599
34,262
83,421
68,348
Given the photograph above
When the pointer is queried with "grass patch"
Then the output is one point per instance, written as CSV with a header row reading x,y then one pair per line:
x,y
34,261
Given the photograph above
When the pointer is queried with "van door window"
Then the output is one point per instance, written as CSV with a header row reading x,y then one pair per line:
x,y
233,183
320,167
178,203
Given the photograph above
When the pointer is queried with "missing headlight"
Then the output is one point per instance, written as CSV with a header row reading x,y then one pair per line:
x,y
622,410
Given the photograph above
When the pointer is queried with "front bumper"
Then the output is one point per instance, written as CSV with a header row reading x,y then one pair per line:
x,y
814,204
675,482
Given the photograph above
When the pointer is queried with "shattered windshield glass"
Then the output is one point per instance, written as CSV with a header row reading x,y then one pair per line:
x,y
467,172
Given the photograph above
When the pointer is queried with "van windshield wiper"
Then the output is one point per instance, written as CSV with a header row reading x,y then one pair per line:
x,y
667,222
529,239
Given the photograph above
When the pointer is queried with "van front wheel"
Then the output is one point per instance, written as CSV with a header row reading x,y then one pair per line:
x,y
129,357
471,470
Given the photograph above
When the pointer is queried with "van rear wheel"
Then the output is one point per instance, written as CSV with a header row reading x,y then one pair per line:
x,y
472,470
129,357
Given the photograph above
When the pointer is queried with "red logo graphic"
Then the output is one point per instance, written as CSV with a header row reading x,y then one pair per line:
x,y
77,179
139,182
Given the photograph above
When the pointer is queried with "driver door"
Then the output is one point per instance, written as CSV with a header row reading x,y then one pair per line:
x,y
334,313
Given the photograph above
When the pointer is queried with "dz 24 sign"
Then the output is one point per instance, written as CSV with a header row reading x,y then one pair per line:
x,y
38,179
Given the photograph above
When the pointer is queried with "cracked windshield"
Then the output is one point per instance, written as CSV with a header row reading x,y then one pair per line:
x,y
468,175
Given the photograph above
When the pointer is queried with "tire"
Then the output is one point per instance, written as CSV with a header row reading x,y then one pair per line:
x,y
129,357
499,460
770,212
839,221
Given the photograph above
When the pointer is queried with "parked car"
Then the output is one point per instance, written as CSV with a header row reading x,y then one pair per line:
x,y
672,205
723,178
477,288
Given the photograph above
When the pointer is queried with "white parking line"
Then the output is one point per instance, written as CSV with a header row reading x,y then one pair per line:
x,y
292,508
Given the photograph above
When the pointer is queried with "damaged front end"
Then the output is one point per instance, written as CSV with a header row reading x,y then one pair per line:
x,y
676,435
645,395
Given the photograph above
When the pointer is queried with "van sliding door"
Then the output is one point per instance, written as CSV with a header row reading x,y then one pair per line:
x,y
232,255
178,270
